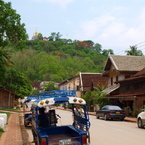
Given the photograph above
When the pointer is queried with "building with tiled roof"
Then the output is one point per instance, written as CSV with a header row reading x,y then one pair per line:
x,y
133,89
89,79
126,77
121,67
83,82
124,63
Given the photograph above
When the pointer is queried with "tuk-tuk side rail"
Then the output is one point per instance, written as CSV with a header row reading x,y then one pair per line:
x,y
81,122
31,97
56,93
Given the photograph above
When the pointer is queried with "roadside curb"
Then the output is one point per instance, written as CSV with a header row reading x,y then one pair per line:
x,y
128,119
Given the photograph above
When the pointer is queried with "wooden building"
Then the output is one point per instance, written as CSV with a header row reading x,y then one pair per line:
x,y
125,86
132,90
83,83
7,98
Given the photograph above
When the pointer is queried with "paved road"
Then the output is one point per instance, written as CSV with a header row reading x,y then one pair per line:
x,y
107,132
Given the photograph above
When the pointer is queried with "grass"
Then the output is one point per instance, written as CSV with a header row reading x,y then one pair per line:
x,y
1,131
10,109
8,115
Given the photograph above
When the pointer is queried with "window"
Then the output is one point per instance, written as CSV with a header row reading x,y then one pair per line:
x,y
116,78
127,76
78,88
111,80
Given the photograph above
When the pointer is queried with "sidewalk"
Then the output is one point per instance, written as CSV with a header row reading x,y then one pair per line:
x,y
14,134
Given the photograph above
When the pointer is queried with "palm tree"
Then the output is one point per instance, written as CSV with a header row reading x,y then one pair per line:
x,y
5,55
133,51
5,62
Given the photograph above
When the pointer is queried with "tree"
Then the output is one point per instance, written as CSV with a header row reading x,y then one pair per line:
x,y
17,83
90,42
40,36
98,47
133,51
57,36
5,62
11,29
105,52
96,97
50,86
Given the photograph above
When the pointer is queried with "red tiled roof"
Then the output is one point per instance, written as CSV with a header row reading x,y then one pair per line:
x,y
89,78
36,84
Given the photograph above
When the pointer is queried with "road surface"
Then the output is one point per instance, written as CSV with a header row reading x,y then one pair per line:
x,y
106,132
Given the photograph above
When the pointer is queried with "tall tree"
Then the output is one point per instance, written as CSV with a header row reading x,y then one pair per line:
x,y
105,52
133,51
57,36
98,47
5,62
50,86
11,29
40,36
17,82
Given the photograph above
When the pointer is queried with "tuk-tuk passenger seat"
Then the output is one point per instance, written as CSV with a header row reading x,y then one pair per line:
x,y
52,118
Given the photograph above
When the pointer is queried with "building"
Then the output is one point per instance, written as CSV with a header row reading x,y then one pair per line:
x,y
7,98
123,71
132,90
83,83
35,36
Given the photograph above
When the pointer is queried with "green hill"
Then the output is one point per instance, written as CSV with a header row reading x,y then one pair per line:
x,y
58,60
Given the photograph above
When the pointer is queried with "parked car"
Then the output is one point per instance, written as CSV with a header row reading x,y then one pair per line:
x,y
111,112
141,119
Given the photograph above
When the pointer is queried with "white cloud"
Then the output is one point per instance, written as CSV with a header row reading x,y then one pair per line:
x,y
91,28
62,3
112,32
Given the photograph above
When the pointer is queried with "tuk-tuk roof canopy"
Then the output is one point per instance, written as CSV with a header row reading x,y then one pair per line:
x,y
58,100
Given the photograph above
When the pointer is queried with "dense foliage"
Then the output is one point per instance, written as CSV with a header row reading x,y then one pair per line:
x,y
50,59
58,60
11,28
12,32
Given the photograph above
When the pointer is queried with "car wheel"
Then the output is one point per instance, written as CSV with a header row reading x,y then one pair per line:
x,y
97,116
105,117
122,119
139,123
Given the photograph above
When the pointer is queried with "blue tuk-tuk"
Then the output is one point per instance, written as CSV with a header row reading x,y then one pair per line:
x,y
76,133
27,115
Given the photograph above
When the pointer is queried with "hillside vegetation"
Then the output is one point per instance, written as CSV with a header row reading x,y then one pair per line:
x,y
58,60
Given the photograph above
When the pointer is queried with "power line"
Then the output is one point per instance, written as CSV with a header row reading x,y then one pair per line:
x,y
139,43
123,51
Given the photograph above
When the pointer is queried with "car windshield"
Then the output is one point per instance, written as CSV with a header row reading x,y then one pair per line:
x,y
114,108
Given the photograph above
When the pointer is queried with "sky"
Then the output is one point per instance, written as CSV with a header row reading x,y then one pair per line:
x,y
115,24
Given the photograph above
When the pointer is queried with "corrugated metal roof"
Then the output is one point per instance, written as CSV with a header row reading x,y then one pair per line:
x,y
110,89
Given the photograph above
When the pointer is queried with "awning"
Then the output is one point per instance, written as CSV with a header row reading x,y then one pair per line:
x,y
110,89
127,96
